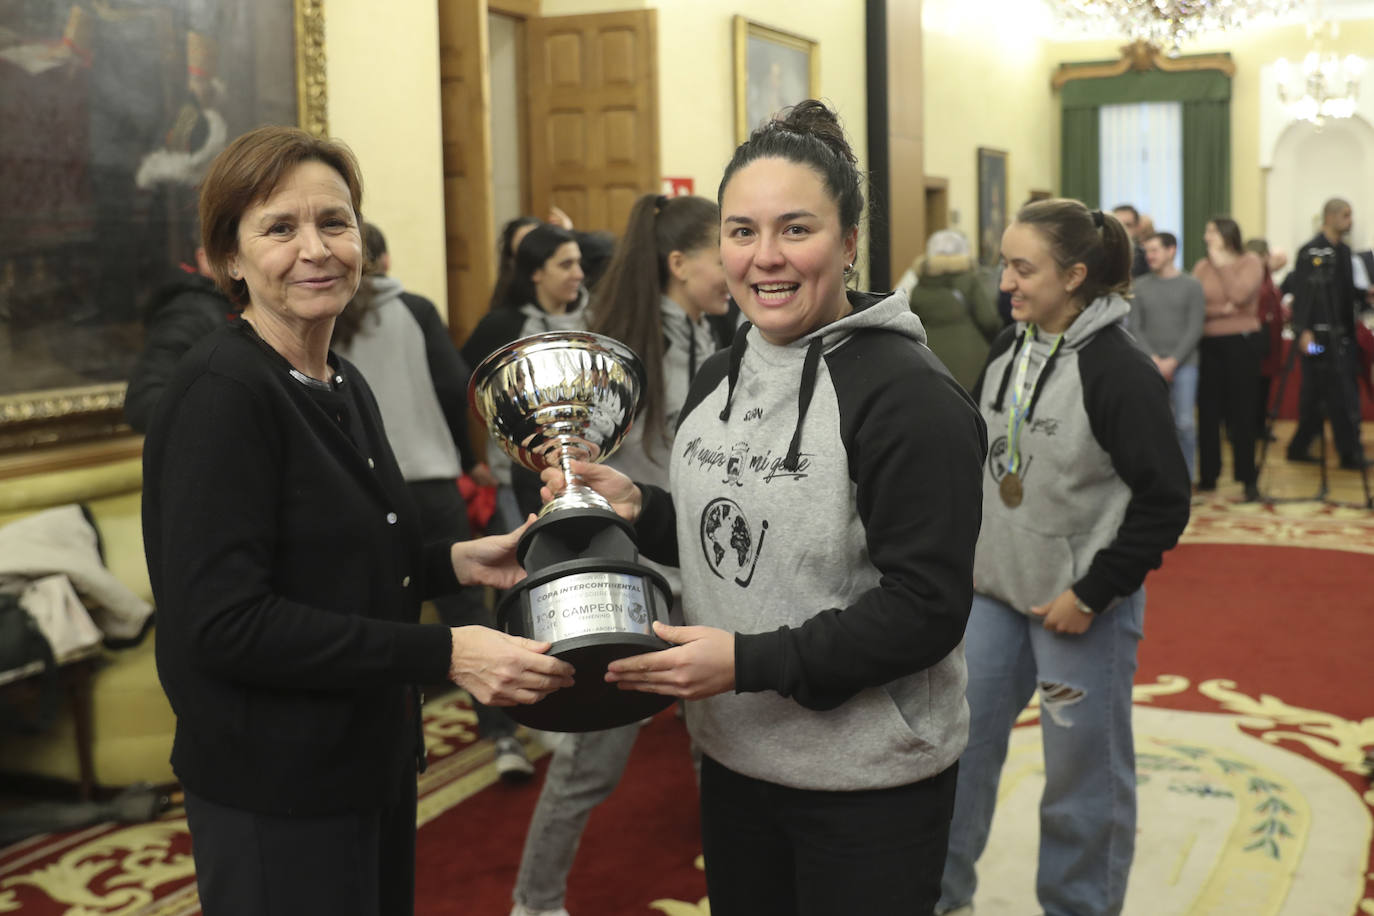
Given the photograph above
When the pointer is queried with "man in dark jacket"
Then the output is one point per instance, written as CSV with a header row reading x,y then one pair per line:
x,y
181,312
1325,301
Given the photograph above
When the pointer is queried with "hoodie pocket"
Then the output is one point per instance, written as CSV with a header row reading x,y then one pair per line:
x,y
1019,566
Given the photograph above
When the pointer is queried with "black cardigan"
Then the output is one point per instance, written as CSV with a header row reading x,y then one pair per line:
x,y
288,571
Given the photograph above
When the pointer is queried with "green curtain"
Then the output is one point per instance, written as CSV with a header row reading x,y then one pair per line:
x,y
1206,171
1206,98
1079,174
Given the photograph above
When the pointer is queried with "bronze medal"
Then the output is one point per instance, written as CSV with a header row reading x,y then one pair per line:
x,y
1010,489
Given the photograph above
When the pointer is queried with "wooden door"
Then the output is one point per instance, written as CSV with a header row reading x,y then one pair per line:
x,y
465,99
937,205
593,115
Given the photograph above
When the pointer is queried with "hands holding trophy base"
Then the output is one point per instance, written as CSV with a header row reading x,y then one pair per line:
x,y
548,399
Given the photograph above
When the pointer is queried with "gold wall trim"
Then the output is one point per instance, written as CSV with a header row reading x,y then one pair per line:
x,y
1141,56
312,95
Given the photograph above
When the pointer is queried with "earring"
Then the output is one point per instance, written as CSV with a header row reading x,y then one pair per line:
x,y
234,272
849,268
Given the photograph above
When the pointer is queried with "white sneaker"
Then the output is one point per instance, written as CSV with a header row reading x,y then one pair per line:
x,y
511,761
522,910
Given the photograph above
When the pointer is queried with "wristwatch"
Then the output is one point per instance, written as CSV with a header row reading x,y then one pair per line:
x,y
1083,606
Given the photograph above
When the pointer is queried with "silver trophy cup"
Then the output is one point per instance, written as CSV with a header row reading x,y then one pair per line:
x,y
548,399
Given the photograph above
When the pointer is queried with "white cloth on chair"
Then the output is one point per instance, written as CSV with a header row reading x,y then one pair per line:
x,y
61,540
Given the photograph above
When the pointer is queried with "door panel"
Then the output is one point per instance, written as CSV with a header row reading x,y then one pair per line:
x,y
465,103
593,107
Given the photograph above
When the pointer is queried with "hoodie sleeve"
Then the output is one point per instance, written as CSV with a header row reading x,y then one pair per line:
x,y
916,446
448,371
1127,402
497,328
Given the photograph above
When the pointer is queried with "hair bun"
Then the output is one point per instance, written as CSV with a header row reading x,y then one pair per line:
x,y
815,118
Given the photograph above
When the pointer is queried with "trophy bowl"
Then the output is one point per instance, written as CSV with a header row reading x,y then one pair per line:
x,y
548,399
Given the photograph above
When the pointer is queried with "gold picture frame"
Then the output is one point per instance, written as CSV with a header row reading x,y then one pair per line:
x,y
773,69
89,412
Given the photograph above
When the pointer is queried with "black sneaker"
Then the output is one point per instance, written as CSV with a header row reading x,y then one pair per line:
x,y
511,761
1302,458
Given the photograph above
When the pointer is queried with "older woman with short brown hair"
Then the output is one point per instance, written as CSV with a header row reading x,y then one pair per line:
x,y
288,565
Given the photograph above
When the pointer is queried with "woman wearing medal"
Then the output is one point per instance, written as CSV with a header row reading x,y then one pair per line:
x,y
1085,490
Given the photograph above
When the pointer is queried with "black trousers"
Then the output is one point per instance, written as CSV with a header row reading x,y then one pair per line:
x,y
776,851
444,516
1330,391
1228,375
269,865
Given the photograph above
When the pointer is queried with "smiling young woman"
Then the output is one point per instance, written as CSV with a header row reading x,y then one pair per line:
x,y
1084,492
824,669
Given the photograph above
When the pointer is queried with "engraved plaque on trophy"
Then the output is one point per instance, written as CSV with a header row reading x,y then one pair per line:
x,y
548,399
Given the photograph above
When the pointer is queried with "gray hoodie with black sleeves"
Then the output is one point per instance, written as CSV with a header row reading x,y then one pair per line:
x,y
825,507
1106,492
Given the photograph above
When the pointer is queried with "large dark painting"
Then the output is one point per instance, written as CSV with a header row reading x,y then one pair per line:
x,y
111,111
992,204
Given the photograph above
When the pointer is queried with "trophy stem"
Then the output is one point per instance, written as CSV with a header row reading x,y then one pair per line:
x,y
565,460
576,494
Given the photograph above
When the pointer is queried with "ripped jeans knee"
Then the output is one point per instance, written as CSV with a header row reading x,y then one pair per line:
x,y
1055,700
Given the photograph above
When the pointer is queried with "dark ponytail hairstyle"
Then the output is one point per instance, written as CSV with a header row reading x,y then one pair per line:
x,y
505,258
808,134
1077,235
625,305
538,245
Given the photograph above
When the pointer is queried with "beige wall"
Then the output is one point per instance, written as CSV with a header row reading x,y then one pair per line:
x,y
986,78
384,100
1251,51
697,83
383,73
987,83
1005,100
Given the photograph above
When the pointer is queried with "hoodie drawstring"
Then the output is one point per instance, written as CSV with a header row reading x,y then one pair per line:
x,y
808,386
691,350
737,348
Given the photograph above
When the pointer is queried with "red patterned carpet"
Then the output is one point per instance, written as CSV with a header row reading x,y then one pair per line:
x,y
1255,707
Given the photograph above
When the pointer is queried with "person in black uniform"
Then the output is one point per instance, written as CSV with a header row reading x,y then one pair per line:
x,y
1325,300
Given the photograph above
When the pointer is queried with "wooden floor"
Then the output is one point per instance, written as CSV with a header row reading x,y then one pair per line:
x,y
1281,480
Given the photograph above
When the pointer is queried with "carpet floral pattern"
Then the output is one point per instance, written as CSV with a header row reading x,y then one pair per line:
x,y
1251,736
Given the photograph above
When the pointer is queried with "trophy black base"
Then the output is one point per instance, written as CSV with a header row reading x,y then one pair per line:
x,y
590,598
591,704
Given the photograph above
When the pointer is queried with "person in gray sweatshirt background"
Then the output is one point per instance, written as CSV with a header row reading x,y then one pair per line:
x,y
1167,309
823,509
1085,490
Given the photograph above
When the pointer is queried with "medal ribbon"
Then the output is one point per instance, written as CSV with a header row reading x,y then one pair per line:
x,y
1018,399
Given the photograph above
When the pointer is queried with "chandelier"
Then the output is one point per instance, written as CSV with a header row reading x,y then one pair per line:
x,y
1168,24
1325,85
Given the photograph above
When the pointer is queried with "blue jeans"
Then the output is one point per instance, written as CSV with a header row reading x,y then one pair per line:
x,y
1183,396
1088,811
